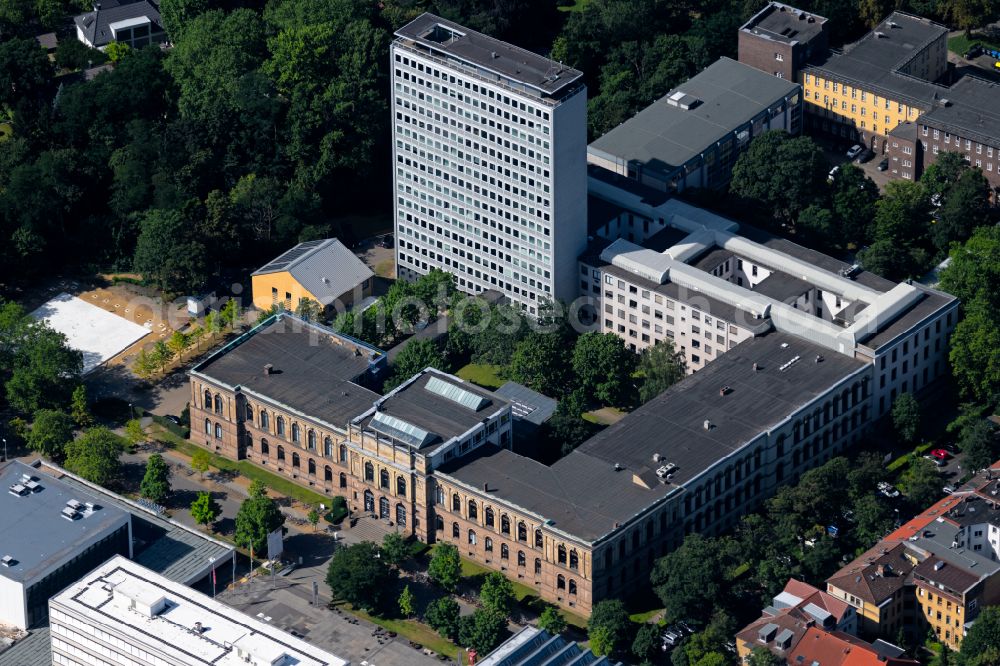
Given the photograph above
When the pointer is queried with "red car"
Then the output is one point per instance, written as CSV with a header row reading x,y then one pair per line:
x,y
940,454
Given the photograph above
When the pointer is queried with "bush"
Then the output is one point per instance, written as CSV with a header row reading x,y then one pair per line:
x,y
338,510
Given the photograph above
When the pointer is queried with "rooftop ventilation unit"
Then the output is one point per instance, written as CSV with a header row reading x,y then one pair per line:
x,y
850,271
74,504
879,34
7,561
682,100
18,489
664,471
788,364
938,566
69,514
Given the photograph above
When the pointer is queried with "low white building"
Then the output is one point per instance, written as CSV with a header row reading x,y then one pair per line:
x,y
131,615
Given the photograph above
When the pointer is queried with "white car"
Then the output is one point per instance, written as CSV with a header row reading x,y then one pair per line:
x,y
886,489
855,150
833,174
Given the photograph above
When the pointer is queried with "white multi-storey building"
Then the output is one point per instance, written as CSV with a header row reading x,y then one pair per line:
x,y
123,613
489,146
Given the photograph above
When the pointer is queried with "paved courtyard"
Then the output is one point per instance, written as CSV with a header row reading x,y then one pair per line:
x,y
288,604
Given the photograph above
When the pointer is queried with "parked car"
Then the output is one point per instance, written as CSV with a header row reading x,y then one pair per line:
x,y
936,200
940,454
883,165
854,151
936,461
173,419
887,489
670,638
948,490
830,177
997,64
974,52
865,156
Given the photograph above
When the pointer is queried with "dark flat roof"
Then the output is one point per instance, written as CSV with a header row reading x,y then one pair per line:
x,y
786,24
36,534
873,60
580,494
527,404
649,195
973,111
455,42
414,403
584,494
663,137
929,304
672,424
314,369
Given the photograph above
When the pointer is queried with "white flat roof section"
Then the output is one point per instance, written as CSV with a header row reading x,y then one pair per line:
x,y
100,335
179,623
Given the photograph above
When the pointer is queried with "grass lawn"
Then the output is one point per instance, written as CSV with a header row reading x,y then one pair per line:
x,y
385,268
576,6
604,416
484,375
417,632
644,616
5,131
961,44
276,483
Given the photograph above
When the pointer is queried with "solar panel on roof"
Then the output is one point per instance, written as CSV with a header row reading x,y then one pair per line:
x,y
520,409
467,399
400,429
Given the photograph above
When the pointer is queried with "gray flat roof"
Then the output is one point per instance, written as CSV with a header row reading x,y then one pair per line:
x,y
786,24
488,55
973,111
314,369
932,302
873,60
43,537
672,424
327,268
415,404
169,549
585,496
527,404
664,137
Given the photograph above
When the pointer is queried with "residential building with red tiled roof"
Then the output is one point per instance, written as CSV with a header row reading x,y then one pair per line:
x,y
839,649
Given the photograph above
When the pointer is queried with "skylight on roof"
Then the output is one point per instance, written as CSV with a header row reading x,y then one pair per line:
x,y
467,399
400,429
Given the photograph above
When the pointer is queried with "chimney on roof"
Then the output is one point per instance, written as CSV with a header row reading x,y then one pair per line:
x,y
197,627
486,486
707,425
755,367
268,368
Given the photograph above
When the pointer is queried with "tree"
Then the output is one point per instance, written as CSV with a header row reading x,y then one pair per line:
x,y
134,432
974,270
853,200
687,580
79,409
416,356
50,431
608,626
604,367
900,243
358,575
873,519
541,362
660,366
921,483
258,516
973,356
445,567
780,173
647,642
393,549
482,630
74,54
552,621
964,207
761,656
308,309
45,370
167,254
117,51
25,71
983,638
95,455
177,343
200,460
980,445
442,616
817,226
497,593
709,646
906,417
145,365
566,429
155,484
313,517
176,14
406,601
947,168
204,509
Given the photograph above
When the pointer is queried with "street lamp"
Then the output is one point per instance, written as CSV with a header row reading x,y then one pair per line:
x,y
5,449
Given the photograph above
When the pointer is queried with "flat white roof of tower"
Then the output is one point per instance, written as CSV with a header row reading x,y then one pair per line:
x,y
183,625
